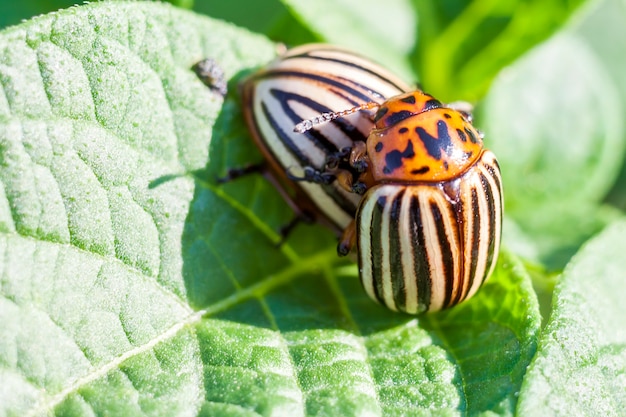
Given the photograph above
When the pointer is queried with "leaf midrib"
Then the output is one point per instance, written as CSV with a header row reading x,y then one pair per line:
x,y
291,272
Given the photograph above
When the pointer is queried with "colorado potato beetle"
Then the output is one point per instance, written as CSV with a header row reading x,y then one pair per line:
x,y
305,82
428,228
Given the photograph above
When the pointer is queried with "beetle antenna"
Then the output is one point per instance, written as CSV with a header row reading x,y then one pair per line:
x,y
308,124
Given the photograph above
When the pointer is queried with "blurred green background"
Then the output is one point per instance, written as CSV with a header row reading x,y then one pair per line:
x,y
12,13
259,16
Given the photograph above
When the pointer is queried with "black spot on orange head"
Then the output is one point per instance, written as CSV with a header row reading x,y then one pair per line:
x,y
436,146
472,135
379,147
462,135
403,106
393,160
395,118
420,171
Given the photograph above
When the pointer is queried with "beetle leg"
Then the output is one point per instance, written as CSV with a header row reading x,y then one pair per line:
x,y
345,179
355,156
301,216
334,159
286,229
358,156
348,239
234,173
313,175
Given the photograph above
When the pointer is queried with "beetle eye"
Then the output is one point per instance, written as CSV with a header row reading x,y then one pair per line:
x,y
382,111
432,104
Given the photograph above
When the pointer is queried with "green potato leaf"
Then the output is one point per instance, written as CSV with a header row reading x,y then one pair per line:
x,y
581,360
132,283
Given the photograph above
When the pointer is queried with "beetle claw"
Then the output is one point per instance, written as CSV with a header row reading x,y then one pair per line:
x,y
359,188
348,239
286,229
313,175
234,173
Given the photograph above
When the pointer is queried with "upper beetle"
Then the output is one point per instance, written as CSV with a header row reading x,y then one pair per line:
x,y
305,82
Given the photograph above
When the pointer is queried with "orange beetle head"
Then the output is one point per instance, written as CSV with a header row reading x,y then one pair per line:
x,y
417,139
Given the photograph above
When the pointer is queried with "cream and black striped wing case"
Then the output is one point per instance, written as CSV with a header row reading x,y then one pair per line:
x,y
306,82
427,247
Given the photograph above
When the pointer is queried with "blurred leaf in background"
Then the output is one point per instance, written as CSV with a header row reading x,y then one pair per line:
x,y
601,31
384,31
258,16
362,26
13,12
464,44
556,168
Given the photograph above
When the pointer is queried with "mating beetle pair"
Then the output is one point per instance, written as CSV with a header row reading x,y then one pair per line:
x,y
398,173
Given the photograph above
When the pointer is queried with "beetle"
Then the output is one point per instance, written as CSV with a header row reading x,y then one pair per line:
x,y
428,227
307,81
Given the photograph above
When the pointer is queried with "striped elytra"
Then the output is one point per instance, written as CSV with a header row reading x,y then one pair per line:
x,y
429,246
303,83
